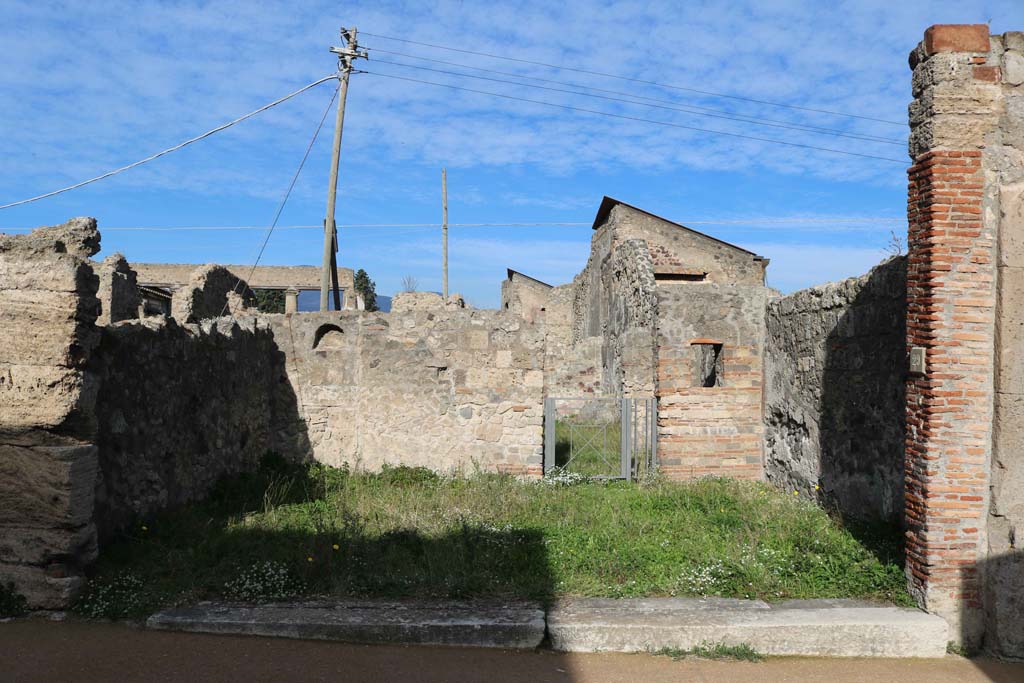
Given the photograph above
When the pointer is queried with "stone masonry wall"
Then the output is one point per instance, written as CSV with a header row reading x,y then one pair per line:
x,y
716,430
101,425
630,314
179,407
835,366
446,389
48,464
118,291
953,217
212,291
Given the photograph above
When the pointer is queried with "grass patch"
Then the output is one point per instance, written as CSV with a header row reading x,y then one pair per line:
x,y
590,449
285,532
719,651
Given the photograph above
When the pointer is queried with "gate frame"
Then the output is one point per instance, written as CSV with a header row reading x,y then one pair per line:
x,y
630,430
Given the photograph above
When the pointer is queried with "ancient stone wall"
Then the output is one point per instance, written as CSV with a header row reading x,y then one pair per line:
x,y
709,379
524,296
181,406
676,250
212,291
118,291
629,317
48,308
963,442
571,368
451,390
835,366
100,425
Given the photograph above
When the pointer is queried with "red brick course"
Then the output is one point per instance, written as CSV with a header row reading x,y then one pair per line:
x,y
951,313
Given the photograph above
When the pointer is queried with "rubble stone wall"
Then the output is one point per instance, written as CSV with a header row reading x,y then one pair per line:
x,y
212,291
448,389
835,366
118,291
181,406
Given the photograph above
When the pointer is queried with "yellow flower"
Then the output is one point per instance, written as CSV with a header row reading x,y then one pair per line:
x,y
816,487
336,546
796,493
309,559
145,528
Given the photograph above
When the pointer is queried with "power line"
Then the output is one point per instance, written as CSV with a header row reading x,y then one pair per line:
x,y
740,222
287,194
640,119
686,106
172,149
869,138
635,80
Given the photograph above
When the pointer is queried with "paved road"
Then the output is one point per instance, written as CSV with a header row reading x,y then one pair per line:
x,y
36,650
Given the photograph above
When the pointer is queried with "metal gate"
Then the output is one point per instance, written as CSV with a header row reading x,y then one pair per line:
x,y
610,438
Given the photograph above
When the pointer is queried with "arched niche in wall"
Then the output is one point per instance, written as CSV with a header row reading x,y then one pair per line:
x,y
328,337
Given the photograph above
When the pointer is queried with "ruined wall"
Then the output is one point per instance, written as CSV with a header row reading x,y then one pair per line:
x,y
179,407
677,250
630,311
118,291
835,366
571,368
446,389
710,430
524,296
404,302
212,291
48,464
100,425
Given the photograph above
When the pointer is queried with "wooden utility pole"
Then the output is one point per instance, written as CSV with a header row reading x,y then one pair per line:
x,y
329,273
444,233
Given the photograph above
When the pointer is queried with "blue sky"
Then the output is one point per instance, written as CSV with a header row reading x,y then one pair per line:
x,y
87,87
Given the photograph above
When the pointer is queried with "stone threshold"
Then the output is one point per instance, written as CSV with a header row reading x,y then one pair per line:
x,y
817,628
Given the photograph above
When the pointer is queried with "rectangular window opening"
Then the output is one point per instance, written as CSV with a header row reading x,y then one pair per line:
x,y
680,277
709,364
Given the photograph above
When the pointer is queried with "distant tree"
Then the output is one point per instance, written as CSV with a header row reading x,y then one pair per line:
x,y
269,300
896,245
366,288
410,284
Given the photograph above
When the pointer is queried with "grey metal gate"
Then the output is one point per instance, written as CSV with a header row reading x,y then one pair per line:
x,y
600,437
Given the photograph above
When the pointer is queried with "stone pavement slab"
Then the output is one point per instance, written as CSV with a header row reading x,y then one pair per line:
x,y
831,628
506,625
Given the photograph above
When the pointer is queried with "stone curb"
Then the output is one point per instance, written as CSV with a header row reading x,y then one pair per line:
x,y
823,628
815,628
511,625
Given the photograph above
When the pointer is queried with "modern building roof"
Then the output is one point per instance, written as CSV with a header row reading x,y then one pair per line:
x,y
608,203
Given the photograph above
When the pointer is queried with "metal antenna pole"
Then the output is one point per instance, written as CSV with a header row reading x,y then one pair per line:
x,y
444,233
345,56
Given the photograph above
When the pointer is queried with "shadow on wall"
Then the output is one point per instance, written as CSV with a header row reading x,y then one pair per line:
x,y
1003,603
863,413
181,407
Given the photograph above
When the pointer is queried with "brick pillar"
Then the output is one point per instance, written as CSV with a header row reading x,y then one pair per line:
x,y
951,315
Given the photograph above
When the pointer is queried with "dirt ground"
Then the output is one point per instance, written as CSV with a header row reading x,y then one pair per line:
x,y
38,650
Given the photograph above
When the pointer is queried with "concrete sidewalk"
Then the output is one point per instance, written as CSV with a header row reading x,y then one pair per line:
x,y
32,650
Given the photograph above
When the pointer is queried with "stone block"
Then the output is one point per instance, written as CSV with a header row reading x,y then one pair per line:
x,y
1013,67
47,486
43,545
798,628
43,588
501,625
